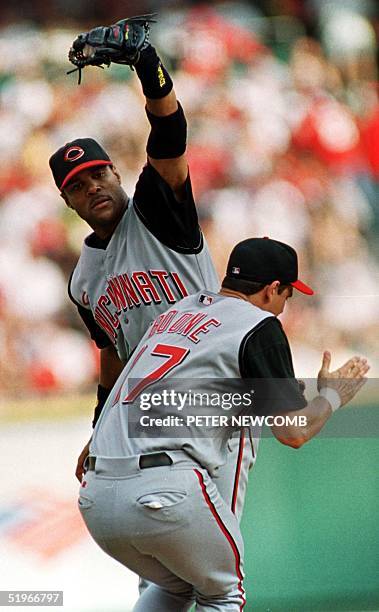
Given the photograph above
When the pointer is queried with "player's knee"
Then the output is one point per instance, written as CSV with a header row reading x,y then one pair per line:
x,y
228,599
218,586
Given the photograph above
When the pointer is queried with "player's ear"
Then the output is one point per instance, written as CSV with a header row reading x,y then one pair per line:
x,y
65,198
116,173
271,290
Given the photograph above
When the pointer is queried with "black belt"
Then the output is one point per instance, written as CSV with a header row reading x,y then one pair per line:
x,y
145,461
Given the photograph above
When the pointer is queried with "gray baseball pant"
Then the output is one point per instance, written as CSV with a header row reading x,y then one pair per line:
x,y
232,477
170,525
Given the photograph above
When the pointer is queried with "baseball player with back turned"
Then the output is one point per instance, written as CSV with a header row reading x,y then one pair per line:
x,y
151,502
145,252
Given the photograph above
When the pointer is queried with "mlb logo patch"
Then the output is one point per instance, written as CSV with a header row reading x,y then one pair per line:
x,y
236,270
206,299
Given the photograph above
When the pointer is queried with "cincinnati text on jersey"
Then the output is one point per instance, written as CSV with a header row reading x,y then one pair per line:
x,y
127,291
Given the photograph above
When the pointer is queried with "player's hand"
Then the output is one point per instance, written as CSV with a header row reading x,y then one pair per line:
x,y
80,471
346,380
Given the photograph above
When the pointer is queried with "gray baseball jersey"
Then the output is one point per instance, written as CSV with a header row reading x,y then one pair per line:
x,y
169,523
135,278
177,348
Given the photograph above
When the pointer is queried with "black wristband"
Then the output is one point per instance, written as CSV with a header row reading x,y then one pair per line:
x,y
102,395
156,81
168,136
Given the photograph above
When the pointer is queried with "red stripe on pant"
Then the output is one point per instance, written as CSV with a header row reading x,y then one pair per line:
x,y
238,470
226,534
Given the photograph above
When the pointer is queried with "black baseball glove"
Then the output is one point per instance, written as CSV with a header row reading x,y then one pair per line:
x,y
120,43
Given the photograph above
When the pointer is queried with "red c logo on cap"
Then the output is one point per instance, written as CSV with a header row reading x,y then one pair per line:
x,y
73,153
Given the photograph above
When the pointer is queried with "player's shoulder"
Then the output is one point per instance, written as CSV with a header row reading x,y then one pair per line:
x,y
272,331
265,349
78,284
73,287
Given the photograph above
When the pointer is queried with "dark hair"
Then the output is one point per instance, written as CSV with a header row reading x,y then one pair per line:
x,y
243,286
282,287
247,287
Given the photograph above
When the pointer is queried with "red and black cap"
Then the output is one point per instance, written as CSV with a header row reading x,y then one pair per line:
x,y
263,260
75,156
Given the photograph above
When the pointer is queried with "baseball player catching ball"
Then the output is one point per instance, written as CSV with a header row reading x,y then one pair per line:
x,y
146,252
152,502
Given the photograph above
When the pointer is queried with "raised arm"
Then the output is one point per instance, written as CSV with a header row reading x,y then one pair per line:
x,y
126,42
167,140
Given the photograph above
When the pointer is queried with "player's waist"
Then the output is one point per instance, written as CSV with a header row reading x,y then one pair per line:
x,y
122,467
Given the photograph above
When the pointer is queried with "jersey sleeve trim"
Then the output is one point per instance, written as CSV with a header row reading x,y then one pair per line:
x,y
97,334
69,289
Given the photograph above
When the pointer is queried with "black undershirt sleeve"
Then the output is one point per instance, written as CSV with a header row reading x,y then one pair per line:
x,y
265,357
97,334
173,223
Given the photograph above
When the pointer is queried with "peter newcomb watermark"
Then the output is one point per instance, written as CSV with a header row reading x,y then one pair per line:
x,y
31,598
219,420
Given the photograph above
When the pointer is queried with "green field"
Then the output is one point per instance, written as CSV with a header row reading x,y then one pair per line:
x,y
47,408
311,527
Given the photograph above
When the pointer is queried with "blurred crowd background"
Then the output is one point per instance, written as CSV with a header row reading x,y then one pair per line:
x,y
282,104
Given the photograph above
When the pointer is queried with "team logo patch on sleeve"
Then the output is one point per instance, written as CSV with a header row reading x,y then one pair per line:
x,y
207,300
236,270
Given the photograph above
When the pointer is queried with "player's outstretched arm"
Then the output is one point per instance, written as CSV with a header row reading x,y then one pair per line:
x,y
166,144
127,42
336,390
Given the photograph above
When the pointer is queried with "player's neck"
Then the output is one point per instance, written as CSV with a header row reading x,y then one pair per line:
x,y
234,294
256,299
105,231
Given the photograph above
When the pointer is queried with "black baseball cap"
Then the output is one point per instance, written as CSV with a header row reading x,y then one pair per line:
x,y
75,156
263,260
